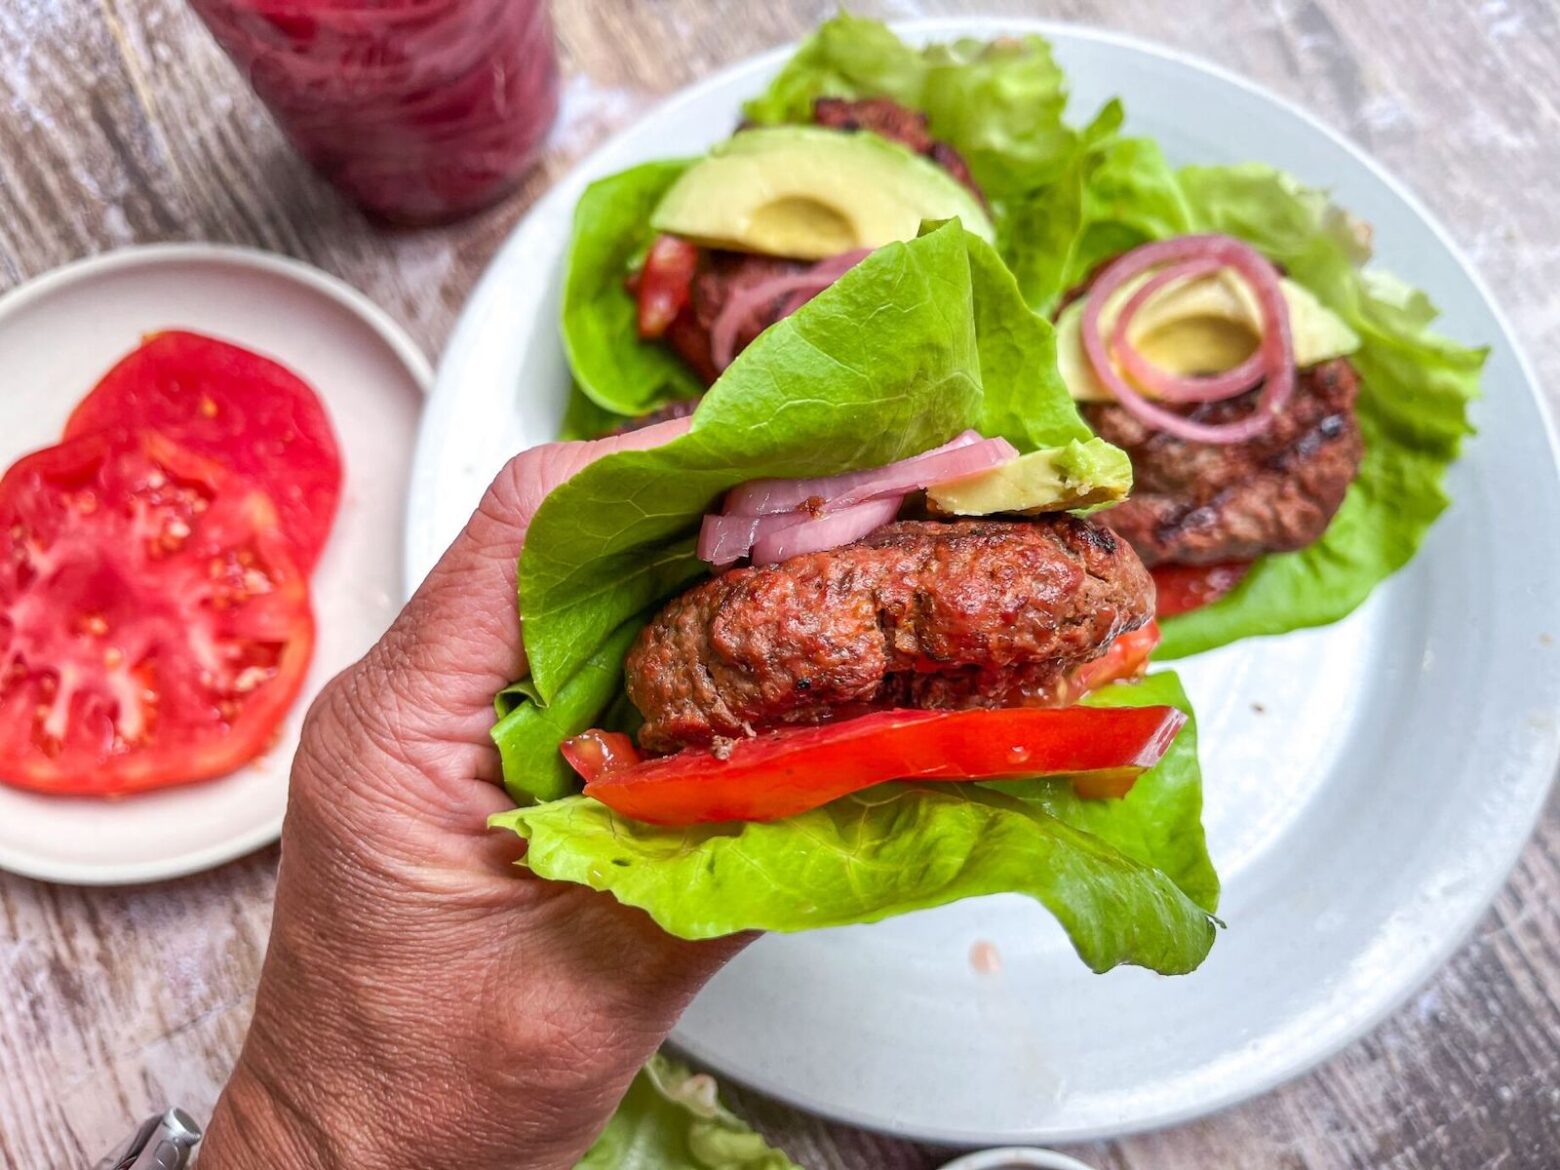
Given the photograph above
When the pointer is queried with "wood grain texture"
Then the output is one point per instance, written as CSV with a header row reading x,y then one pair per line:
x,y
121,123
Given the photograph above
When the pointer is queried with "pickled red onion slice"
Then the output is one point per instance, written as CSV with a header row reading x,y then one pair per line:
x,y
801,287
725,540
785,538
772,519
832,269
963,455
1275,354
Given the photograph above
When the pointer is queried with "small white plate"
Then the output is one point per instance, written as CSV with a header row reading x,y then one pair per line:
x,y
1368,785
1016,1158
58,335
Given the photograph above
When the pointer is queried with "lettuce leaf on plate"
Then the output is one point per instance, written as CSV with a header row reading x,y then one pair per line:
x,y
1415,385
672,1119
1113,194
950,344
613,370
999,104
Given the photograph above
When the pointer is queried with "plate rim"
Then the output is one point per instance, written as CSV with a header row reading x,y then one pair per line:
x,y
470,320
85,270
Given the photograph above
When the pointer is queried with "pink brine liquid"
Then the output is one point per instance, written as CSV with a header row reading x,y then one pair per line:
x,y
419,110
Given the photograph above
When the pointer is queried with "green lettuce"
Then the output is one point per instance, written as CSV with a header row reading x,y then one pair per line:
x,y
1415,385
999,104
1113,194
530,729
613,371
1129,880
672,1119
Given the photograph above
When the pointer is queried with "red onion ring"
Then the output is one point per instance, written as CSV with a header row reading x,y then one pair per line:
x,y
724,539
1276,352
802,287
834,268
1175,387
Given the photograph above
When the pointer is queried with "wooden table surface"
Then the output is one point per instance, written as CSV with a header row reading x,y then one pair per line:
x,y
121,123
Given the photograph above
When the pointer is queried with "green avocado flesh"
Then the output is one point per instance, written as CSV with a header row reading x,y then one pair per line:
x,y
1053,479
808,193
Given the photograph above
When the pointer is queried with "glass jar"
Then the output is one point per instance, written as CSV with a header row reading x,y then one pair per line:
x,y
421,111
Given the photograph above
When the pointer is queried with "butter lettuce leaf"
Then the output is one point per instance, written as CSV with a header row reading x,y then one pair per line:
x,y
1129,880
615,374
1415,389
673,1119
1000,104
1113,194
1158,823
529,729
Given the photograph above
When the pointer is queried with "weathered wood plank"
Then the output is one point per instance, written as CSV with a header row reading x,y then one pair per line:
x,y
120,122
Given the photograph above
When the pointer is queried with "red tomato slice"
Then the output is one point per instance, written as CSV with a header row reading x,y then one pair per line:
x,y
1187,587
244,411
1126,659
787,772
154,627
664,284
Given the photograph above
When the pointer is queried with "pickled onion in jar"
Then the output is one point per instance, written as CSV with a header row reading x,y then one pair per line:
x,y
420,111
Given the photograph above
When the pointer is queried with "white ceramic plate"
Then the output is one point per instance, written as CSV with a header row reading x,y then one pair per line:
x,y
58,335
1368,786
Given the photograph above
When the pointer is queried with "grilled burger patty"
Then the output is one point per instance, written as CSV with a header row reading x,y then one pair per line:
x,y
888,119
969,613
1202,503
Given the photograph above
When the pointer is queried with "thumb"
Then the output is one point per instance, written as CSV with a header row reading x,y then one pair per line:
x,y
460,633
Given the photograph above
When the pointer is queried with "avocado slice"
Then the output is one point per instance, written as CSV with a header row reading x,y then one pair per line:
x,y
1082,474
808,193
1200,326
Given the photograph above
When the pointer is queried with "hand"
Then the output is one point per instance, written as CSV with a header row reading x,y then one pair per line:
x,y
423,1001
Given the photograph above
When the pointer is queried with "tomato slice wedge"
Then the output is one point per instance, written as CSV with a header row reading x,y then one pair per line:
x,y
154,627
782,773
1181,588
253,416
1125,660
664,284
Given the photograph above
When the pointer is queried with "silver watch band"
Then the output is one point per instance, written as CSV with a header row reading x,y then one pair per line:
x,y
164,1142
